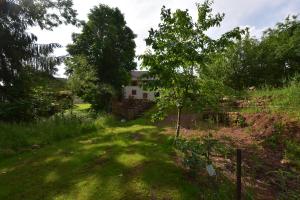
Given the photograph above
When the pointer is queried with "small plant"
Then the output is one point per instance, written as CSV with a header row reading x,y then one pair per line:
x,y
292,152
275,139
209,144
241,121
197,153
192,153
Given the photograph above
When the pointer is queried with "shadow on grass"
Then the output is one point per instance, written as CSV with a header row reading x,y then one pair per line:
x,y
125,161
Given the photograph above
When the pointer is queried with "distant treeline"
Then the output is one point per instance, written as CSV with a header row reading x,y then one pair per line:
x,y
271,60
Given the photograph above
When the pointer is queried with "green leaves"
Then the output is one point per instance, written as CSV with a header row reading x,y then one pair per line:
x,y
178,56
271,60
101,57
205,19
21,57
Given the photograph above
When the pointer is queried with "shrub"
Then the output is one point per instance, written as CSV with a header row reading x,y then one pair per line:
x,y
40,102
197,153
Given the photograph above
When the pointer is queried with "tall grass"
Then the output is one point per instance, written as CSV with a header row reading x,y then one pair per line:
x,y
283,100
23,136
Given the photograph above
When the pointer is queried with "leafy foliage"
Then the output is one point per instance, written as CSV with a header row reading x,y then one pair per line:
x,y
47,97
198,152
273,60
20,56
101,57
179,55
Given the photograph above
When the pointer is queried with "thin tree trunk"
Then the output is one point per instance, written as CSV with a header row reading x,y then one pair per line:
x,y
178,121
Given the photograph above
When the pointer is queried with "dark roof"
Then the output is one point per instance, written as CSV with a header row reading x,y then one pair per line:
x,y
137,74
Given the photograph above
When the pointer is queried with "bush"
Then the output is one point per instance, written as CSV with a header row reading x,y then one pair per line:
x,y
40,102
197,153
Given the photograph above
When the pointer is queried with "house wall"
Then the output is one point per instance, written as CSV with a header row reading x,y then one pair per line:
x,y
139,93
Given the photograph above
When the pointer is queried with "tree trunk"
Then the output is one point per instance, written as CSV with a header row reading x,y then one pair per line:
x,y
178,121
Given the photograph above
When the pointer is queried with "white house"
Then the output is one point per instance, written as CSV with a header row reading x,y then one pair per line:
x,y
134,90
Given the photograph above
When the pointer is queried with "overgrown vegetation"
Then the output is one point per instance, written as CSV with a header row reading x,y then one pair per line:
x,y
23,61
283,100
15,138
197,153
271,60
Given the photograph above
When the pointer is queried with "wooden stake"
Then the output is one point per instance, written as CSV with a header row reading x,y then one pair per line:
x,y
238,174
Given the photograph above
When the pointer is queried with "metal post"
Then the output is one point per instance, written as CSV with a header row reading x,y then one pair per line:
x,y
238,174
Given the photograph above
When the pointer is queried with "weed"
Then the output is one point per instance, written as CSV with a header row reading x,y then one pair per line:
x,y
292,152
198,152
241,121
276,138
282,100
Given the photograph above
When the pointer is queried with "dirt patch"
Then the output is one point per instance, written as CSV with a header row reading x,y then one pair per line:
x,y
137,136
259,160
188,121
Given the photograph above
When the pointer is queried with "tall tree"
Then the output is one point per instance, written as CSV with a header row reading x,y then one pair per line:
x,y
271,60
178,58
238,64
105,49
280,51
20,55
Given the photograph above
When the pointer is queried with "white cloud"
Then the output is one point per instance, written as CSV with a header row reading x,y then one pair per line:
x,y
141,15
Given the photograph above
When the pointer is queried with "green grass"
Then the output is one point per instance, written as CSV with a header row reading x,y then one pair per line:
x,y
281,100
128,162
115,161
81,107
292,152
18,137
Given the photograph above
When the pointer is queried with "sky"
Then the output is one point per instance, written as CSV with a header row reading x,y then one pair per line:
x,y
141,15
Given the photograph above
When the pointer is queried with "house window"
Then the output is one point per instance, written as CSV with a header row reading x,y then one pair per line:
x,y
134,83
145,95
133,92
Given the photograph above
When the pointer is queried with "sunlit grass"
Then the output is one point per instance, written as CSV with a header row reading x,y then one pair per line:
x,y
284,100
80,107
116,161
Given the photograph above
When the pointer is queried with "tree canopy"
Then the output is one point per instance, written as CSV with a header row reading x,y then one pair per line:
x,y
270,60
20,55
101,57
179,55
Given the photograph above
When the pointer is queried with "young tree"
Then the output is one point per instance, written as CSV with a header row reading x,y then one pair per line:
x,y
20,55
106,45
178,58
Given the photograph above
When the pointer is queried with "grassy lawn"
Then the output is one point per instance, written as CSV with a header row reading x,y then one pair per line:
x,y
116,162
98,159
